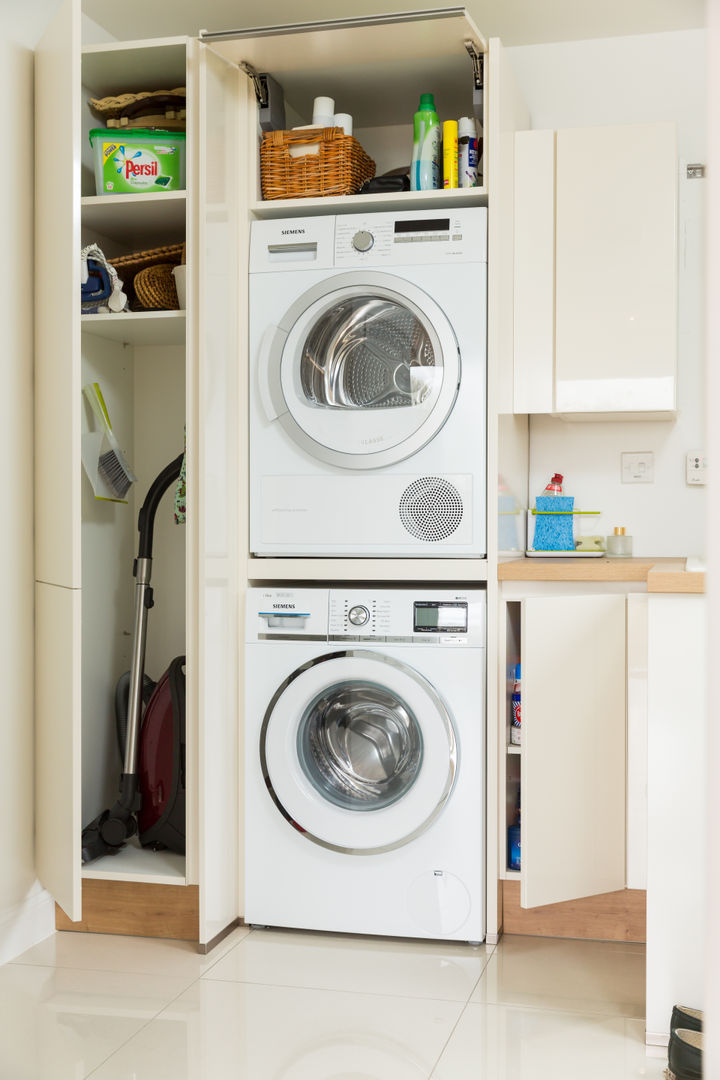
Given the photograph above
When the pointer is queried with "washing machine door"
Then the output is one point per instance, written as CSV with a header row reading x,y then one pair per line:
x,y
358,752
362,371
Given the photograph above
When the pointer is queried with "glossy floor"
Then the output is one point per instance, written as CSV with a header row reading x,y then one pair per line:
x,y
280,1005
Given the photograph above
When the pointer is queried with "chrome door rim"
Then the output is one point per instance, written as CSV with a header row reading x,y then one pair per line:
x,y
442,713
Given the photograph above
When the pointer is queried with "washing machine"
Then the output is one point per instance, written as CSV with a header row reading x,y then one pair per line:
x,y
364,761
368,384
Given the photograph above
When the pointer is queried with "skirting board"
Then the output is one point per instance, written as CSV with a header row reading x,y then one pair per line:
x,y
25,924
616,916
136,908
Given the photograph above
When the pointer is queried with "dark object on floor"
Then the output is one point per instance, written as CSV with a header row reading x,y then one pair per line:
x,y
685,1055
684,1017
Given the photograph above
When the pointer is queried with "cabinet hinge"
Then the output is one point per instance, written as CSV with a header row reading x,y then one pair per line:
x,y
478,67
259,83
695,172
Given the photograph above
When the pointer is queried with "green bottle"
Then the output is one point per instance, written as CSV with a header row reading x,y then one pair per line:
x,y
425,166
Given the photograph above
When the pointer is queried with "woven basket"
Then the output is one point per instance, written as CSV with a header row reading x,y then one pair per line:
x,y
155,288
129,267
339,165
149,108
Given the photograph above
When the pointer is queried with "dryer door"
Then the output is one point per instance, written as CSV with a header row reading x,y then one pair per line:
x,y
358,752
363,370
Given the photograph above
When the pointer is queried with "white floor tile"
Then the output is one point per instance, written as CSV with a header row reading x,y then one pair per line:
x,y
501,1043
58,1024
571,976
443,971
236,1031
116,952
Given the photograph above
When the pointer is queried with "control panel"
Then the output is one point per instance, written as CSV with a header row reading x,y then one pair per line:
x,y
413,237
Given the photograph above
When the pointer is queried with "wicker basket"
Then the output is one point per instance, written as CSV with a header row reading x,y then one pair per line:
x,y
129,268
155,288
339,165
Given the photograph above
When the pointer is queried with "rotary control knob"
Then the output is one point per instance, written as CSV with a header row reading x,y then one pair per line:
x,y
358,615
363,240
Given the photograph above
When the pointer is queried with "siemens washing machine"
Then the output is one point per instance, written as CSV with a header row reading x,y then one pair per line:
x,y
368,384
364,761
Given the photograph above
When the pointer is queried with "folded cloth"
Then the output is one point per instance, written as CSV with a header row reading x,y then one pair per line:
x,y
94,264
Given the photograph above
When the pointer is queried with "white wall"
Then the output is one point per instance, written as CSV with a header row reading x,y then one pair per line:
x,y
615,81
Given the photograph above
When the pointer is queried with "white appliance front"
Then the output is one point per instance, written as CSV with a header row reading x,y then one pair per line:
x,y
367,391
365,761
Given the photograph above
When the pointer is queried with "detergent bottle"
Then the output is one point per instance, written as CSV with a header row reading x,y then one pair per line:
x,y
425,166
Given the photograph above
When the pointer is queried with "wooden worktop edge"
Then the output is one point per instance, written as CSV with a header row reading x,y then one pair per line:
x,y
660,575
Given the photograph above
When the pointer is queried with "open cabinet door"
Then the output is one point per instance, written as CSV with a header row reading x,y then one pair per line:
x,y
57,459
216,479
573,750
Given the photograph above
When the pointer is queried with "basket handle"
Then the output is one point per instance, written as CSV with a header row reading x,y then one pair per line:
x,y
310,135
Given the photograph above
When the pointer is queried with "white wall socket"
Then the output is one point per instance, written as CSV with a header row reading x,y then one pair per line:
x,y
638,468
696,467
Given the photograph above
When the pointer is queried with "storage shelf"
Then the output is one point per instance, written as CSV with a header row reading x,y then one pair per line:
x,y
367,569
138,327
512,875
130,66
513,749
136,221
135,863
356,204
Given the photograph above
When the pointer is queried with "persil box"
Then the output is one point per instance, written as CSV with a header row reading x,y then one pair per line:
x,y
140,160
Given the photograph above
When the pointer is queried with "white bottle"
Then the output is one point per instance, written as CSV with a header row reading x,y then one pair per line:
x,y
467,152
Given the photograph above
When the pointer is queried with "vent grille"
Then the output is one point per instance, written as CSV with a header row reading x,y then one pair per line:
x,y
431,508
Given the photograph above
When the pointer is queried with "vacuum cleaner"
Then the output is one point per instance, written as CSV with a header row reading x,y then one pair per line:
x,y
151,724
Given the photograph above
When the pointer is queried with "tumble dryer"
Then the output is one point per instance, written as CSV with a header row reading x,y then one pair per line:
x,y
368,384
364,761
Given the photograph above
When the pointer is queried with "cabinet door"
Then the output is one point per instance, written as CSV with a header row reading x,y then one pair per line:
x,y
57,285
216,479
573,748
616,269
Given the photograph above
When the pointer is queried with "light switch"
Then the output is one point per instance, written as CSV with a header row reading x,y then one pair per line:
x,y
696,467
638,468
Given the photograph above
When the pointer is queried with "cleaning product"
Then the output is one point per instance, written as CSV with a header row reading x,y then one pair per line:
x,y
554,486
450,154
515,717
513,841
141,160
467,152
425,165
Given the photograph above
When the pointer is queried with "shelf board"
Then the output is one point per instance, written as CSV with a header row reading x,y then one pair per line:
x,y
121,67
356,204
136,221
513,749
366,569
135,863
138,327
512,875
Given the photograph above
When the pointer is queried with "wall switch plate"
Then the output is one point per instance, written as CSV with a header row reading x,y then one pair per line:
x,y
638,468
696,467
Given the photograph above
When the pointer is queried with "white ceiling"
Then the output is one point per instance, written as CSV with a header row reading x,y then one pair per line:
x,y
517,22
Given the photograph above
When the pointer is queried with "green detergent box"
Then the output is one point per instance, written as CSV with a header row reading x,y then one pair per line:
x,y
140,160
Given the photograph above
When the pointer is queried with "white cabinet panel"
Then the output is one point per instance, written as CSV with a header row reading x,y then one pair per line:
x,y
534,269
573,749
57,320
57,744
616,269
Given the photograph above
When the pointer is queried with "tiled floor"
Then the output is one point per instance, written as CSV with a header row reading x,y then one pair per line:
x,y
279,1005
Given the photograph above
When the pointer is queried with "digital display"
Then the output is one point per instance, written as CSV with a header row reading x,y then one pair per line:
x,y
432,225
441,616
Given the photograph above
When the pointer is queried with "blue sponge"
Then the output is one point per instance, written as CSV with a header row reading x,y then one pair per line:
x,y
554,531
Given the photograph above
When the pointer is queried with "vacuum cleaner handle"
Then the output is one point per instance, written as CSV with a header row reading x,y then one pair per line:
x,y
146,517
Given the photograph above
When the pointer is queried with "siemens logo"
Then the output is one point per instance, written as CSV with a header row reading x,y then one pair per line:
x,y
292,232
284,606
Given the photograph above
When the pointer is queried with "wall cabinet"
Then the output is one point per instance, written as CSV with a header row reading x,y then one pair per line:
x,y
596,272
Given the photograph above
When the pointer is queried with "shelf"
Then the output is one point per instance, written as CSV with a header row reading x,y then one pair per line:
x,y
367,569
136,222
129,66
356,204
512,875
138,327
513,749
135,863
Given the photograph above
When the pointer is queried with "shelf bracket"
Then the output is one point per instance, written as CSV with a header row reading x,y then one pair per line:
x,y
478,68
259,83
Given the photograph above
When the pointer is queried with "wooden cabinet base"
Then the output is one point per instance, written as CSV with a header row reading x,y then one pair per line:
x,y
615,916
137,908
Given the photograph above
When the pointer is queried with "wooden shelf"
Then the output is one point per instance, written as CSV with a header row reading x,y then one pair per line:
x,y
136,222
320,569
513,748
135,863
138,327
570,569
356,204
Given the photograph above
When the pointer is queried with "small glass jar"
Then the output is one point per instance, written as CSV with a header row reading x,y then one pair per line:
x,y
619,545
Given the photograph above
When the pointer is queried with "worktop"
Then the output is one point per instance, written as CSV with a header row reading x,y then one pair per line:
x,y
659,575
